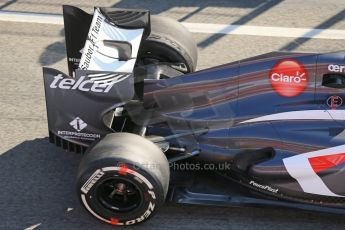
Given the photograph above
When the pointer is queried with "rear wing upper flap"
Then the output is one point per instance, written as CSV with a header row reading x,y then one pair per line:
x,y
81,27
129,18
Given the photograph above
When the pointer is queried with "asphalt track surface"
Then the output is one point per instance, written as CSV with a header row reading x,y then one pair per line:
x,y
37,179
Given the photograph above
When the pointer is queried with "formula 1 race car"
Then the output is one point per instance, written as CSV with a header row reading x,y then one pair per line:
x,y
267,130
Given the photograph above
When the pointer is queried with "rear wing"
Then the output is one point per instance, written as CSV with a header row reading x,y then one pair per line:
x,y
101,54
108,40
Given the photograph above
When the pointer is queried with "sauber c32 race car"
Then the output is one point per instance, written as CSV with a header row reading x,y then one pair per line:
x,y
267,130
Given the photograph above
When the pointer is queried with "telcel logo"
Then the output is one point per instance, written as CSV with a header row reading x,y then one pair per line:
x,y
81,84
336,68
288,78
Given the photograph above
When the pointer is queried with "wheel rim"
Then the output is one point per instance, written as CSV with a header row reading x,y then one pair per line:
x,y
119,195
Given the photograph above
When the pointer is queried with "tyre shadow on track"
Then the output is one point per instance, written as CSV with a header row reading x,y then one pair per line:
x,y
37,187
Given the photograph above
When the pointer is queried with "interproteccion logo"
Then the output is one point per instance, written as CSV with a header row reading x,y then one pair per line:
x,y
78,124
288,78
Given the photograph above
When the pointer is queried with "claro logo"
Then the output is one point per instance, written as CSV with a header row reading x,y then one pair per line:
x,y
81,84
288,78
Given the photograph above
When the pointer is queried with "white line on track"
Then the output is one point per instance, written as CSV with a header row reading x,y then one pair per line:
x,y
31,18
208,28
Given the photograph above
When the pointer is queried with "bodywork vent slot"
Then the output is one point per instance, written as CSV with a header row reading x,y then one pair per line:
x,y
68,146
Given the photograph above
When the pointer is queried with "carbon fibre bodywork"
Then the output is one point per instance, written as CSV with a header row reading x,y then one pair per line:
x,y
225,99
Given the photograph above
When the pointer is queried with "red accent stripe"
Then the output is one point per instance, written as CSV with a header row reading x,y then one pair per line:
x,y
130,171
322,163
123,170
114,221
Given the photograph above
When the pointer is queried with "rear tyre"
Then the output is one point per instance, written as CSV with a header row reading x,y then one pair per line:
x,y
123,179
170,42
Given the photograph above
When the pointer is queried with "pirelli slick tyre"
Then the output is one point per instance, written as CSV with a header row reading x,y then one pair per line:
x,y
169,41
123,179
